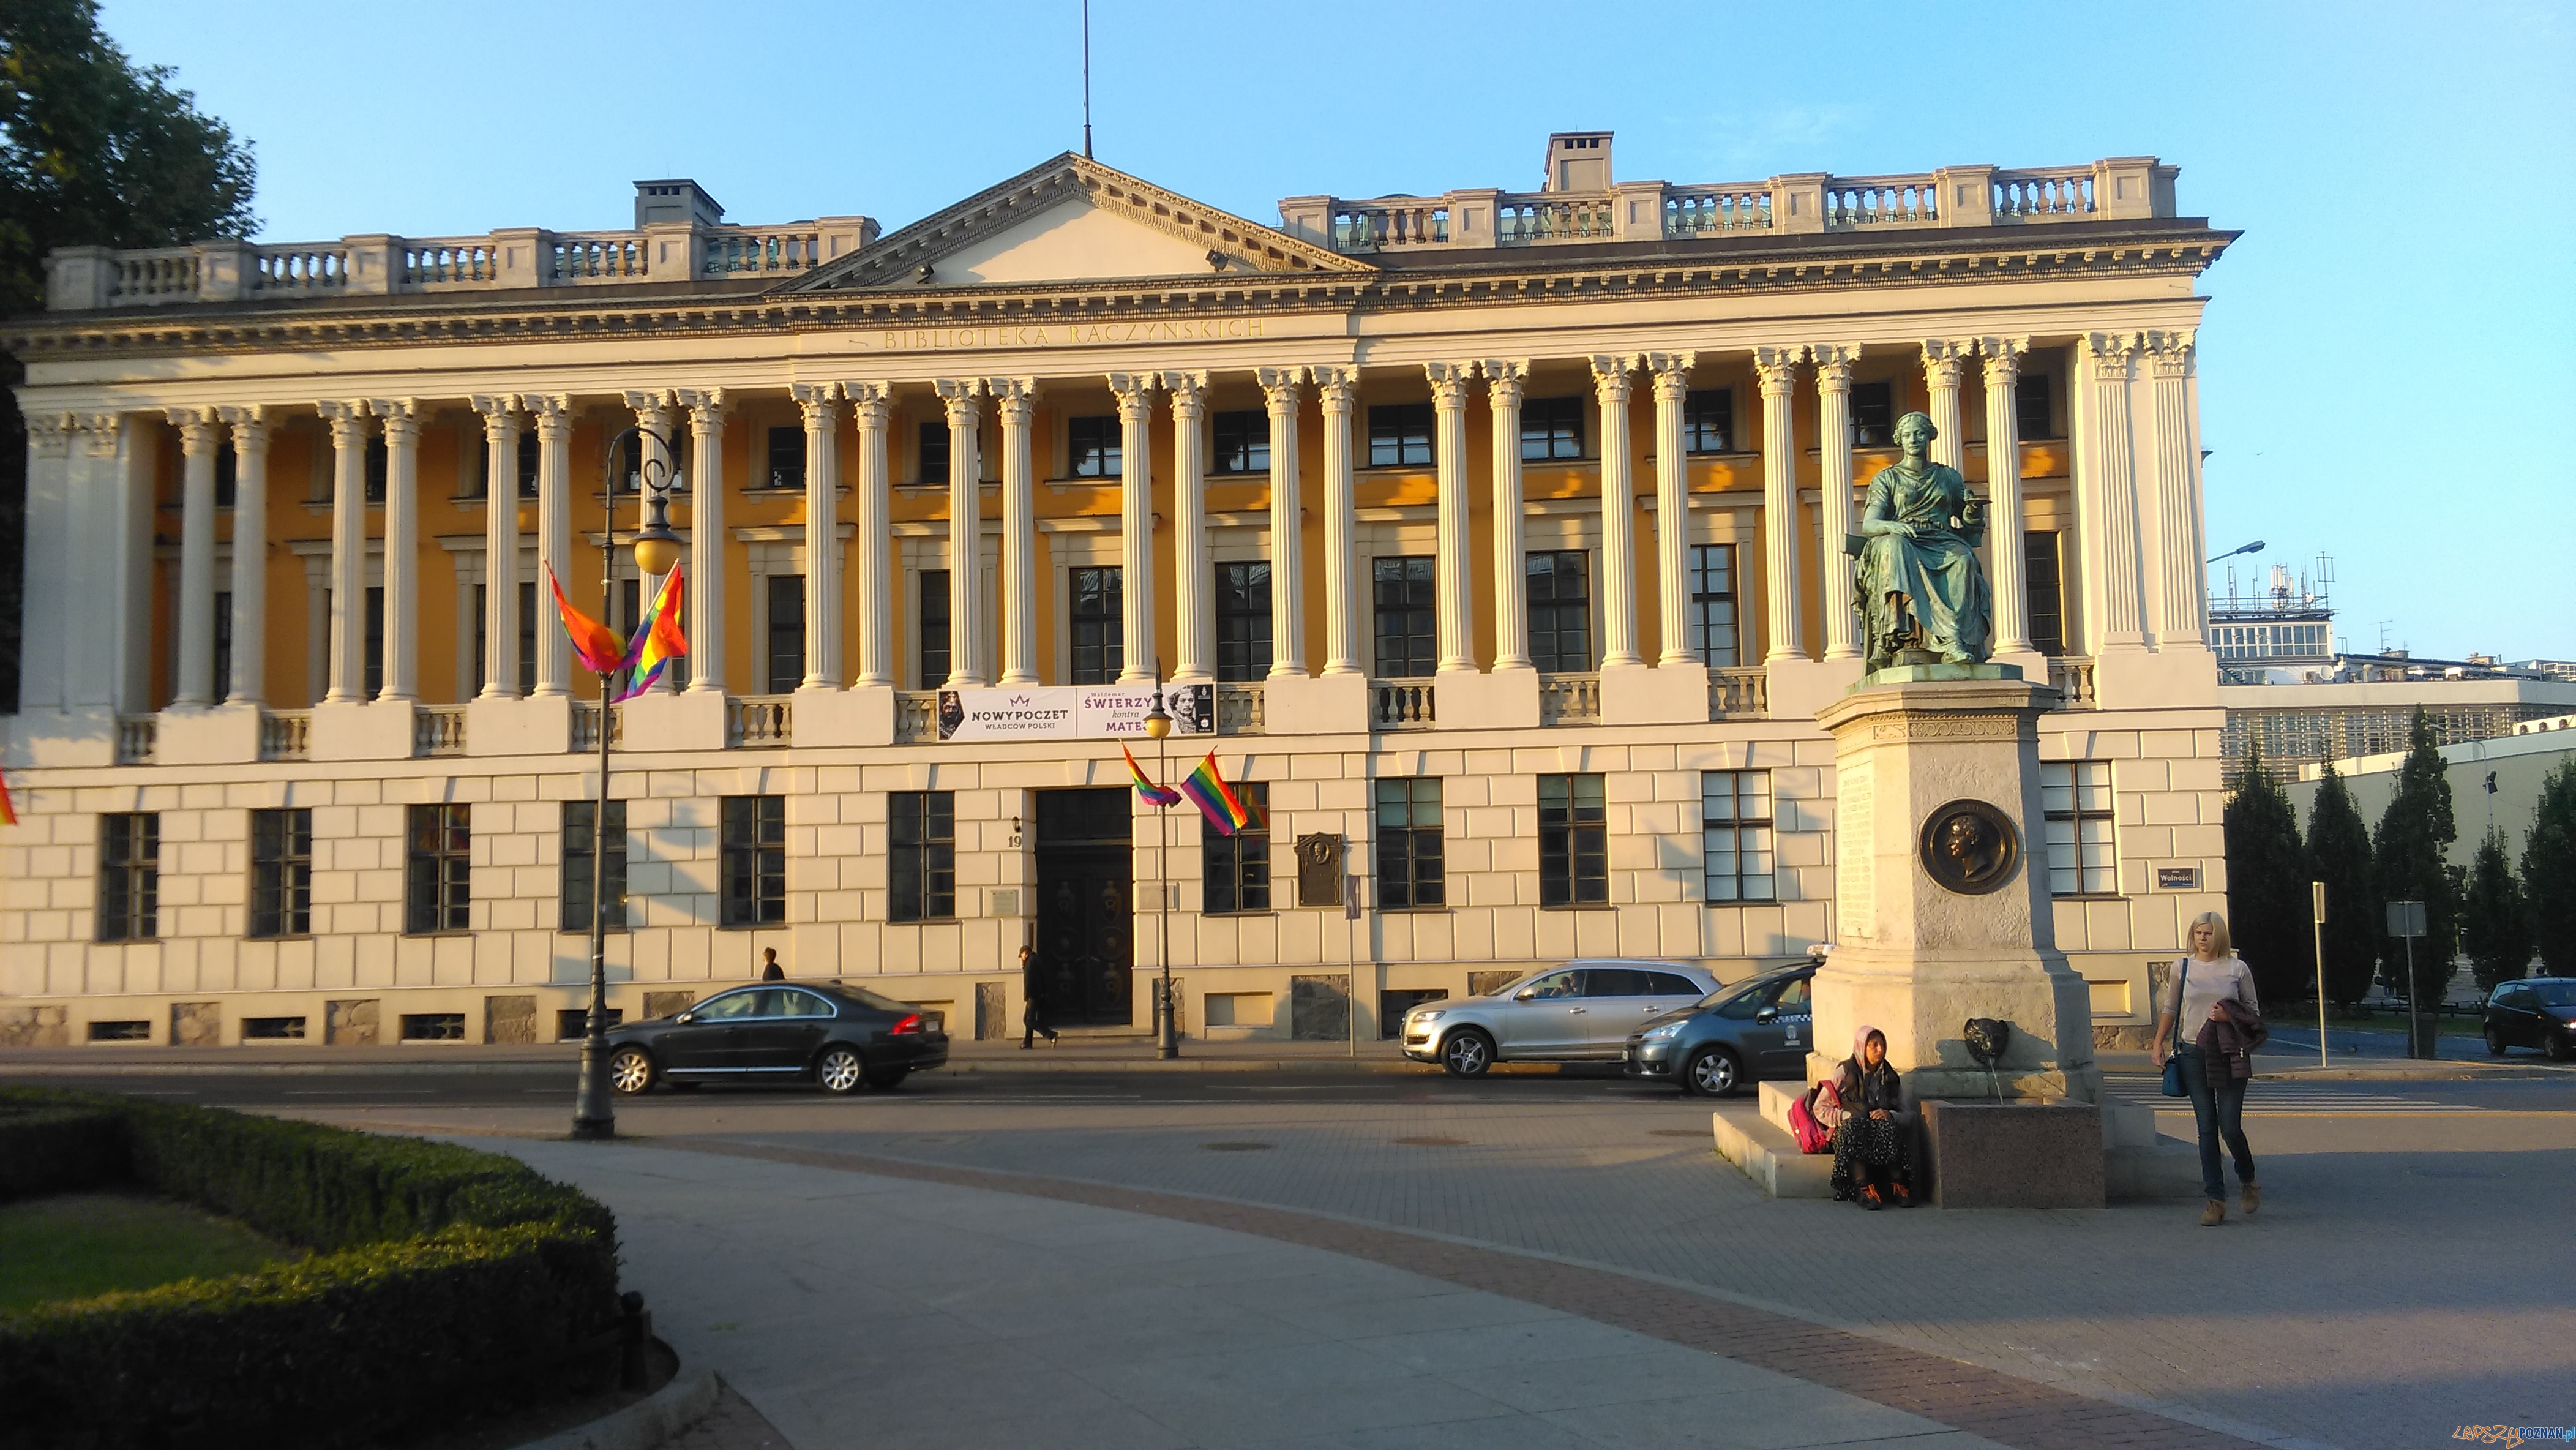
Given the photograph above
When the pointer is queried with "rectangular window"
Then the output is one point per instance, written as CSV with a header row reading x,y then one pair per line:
x,y
2077,797
1399,435
1711,621
527,637
376,469
1873,414
528,455
1236,868
2034,417
1242,621
1708,421
1242,442
753,847
1409,871
1092,447
374,678
1573,841
227,476
438,879
933,451
223,644
281,873
931,633
578,860
786,654
922,866
786,459
129,876
1408,621
1551,428
1735,835
1099,649
2042,580
1560,611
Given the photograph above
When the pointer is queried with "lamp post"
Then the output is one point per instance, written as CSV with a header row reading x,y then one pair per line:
x,y
1158,724
657,551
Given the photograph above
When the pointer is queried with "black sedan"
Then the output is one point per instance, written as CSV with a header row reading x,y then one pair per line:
x,y
2534,1012
837,1036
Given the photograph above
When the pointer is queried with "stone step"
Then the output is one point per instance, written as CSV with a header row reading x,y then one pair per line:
x,y
1770,1157
2139,1165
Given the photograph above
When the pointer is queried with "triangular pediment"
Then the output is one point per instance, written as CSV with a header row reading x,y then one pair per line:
x,y
1072,220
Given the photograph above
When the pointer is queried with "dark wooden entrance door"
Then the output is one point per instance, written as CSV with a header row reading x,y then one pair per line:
x,y
1086,907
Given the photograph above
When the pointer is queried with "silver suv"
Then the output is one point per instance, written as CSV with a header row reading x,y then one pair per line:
x,y
1581,1011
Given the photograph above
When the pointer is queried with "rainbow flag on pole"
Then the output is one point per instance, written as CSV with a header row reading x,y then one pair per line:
x,y
593,643
657,641
1156,795
1207,788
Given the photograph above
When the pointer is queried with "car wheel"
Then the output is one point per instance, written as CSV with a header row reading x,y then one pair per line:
x,y
2562,1046
840,1069
1712,1072
887,1079
2495,1041
630,1071
1467,1052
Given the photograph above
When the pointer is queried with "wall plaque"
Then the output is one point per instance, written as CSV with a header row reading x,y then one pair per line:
x,y
1970,847
2177,878
1319,869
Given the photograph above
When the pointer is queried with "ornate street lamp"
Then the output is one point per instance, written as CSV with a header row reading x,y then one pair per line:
x,y
1158,724
657,552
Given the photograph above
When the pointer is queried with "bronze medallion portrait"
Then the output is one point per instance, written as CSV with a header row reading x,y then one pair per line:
x,y
1970,847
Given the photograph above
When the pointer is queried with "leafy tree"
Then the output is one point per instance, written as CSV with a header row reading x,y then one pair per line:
x,y
2549,871
2407,863
96,151
2494,928
2267,885
2339,844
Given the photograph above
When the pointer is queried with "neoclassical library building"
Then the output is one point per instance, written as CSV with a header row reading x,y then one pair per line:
x,y
1492,542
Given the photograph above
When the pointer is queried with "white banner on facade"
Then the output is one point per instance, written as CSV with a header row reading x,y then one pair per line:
x,y
1071,712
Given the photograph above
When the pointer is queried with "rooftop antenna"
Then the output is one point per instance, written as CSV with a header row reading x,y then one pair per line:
x,y
1086,80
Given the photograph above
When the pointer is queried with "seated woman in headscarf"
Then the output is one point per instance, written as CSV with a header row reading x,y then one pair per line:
x,y
1872,1148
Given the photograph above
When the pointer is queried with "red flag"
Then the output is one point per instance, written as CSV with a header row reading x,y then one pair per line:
x,y
8,811
593,643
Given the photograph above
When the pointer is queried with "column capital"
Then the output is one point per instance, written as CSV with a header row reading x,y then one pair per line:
x,y
1015,399
1943,355
500,415
1135,395
1279,387
1777,369
50,434
1834,365
871,402
1337,386
553,413
1671,370
1610,375
2109,351
820,403
651,400
707,406
963,398
2003,357
1189,392
105,432
2170,354
401,415
197,428
1449,382
1506,380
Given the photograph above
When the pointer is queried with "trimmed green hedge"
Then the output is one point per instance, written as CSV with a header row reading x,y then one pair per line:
x,y
441,1273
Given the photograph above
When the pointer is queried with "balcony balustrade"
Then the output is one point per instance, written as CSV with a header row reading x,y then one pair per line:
x,y
286,734
759,720
1400,705
1569,699
1238,709
135,738
438,730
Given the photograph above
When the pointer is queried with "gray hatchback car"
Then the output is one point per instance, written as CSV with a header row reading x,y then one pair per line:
x,y
1760,1028
1581,1010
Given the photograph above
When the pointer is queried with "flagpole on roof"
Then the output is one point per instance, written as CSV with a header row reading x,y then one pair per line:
x,y
1086,80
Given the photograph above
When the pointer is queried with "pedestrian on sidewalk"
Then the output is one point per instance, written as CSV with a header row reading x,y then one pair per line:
x,y
1873,1145
1033,1021
2214,991
770,971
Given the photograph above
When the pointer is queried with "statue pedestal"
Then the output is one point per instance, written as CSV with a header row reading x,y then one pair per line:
x,y
1937,774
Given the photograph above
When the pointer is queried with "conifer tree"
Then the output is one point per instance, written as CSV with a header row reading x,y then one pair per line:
x,y
2549,871
2407,858
2339,844
2267,885
2495,930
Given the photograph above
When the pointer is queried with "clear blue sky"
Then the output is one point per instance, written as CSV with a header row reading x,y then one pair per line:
x,y
2388,367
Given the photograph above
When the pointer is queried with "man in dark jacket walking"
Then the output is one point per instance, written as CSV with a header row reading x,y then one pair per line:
x,y
1033,1000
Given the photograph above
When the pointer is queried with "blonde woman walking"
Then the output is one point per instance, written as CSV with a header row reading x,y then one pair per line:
x,y
2212,999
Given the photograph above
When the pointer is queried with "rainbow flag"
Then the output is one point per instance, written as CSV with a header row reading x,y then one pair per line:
x,y
1157,795
1217,800
657,641
594,644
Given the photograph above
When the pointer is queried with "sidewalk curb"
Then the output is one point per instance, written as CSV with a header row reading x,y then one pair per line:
x,y
647,1423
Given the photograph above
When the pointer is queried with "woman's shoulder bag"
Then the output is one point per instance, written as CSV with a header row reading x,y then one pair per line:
x,y
2173,1058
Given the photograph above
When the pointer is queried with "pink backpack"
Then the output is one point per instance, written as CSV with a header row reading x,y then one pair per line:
x,y
1814,1136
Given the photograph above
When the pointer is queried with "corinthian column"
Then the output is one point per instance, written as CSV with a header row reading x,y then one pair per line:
x,y
821,404
1777,369
200,434
2003,489
873,403
2106,494
706,587
553,415
1135,392
964,400
1287,533
1834,517
1672,507
1017,401
348,549
1618,513
1453,586
2182,606
1337,391
1506,384
250,554
500,413
1942,359
1193,602
402,547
